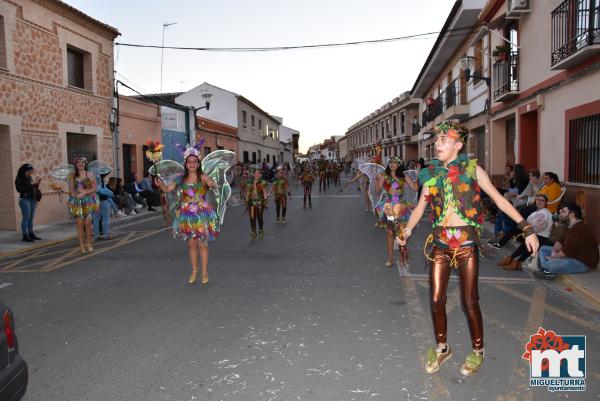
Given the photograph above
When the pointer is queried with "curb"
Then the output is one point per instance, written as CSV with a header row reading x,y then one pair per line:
x,y
41,245
566,280
37,246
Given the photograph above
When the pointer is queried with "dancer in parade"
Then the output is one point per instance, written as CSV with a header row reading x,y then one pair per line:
x,y
255,196
307,180
83,202
197,220
451,186
281,190
392,209
322,165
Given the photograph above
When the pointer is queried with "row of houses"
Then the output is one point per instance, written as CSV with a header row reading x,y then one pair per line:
x,y
59,99
523,76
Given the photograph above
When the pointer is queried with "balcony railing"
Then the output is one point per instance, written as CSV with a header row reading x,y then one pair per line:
x,y
506,77
575,26
454,95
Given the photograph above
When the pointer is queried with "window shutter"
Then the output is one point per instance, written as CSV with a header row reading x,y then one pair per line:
x,y
75,68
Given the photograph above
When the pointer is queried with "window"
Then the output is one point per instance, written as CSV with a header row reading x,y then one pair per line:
x,y
2,44
260,125
244,118
478,61
584,150
268,158
75,68
79,67
252,120
207,150
253,157
402,122
246,158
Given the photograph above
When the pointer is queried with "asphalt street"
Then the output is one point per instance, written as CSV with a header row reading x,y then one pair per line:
x,y
309,313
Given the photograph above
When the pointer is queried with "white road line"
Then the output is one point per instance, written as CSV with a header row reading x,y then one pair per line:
x,y
4,285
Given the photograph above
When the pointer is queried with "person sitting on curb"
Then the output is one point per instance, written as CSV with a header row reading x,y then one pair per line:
x,y
541,221
551,189
576,252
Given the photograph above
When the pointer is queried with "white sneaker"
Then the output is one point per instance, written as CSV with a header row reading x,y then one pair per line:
x,y
120,213
137,206
133,213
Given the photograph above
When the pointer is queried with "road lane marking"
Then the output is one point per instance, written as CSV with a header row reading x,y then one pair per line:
x,y
519,378
418,324
550,308
4,285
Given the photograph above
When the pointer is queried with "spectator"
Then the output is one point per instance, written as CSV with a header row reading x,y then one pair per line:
x,y
148,193
541,221
576,252
102,217
528,194
519,182
29,196
552,190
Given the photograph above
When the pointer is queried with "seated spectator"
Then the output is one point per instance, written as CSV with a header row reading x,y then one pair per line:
x,y
520,181
527,196
576,252
148,193
551,189
541,222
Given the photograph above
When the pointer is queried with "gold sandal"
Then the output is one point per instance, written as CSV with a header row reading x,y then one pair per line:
x,y
204,278
193,277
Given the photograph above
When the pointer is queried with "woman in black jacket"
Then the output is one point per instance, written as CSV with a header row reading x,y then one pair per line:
x,y
29,195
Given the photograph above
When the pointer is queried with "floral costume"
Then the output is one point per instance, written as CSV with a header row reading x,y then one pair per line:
x,y
86,207
194,216
393,189
256,203
456,187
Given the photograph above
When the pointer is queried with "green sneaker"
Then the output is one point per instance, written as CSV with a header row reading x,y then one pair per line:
x,y
472,363
253,235
435,358
261,234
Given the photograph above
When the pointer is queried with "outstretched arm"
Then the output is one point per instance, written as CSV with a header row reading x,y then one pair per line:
x,y
503,204
417,212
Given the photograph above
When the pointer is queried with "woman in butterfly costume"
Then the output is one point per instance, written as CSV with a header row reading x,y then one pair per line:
x,y
198,205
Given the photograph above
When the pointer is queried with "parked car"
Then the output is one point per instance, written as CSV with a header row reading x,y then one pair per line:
x,y
13,369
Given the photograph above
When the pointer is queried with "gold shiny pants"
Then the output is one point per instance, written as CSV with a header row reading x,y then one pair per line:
x,y
466,260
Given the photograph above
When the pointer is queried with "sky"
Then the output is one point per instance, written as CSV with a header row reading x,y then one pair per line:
x,y
319,92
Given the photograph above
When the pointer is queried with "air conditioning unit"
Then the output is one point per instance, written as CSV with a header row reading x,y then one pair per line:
x,y
516,8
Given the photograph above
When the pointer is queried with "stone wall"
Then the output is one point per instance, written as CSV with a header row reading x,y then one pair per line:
x,y
37,107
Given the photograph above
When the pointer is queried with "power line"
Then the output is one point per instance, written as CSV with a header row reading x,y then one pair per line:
x,y
299,47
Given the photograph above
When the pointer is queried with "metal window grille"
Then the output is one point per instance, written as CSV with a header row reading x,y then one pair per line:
x,y
584,150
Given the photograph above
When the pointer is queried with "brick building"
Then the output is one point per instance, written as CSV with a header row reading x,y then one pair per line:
x,y
56,74
138,122
216,135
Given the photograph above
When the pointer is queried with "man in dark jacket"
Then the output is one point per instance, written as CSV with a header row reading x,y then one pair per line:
x,y
576,252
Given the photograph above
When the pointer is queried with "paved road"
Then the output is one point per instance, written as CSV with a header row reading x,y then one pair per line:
x,y
309,313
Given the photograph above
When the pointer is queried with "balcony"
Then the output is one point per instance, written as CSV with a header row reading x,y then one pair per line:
x,y
455,96
575,32
435,107
506,78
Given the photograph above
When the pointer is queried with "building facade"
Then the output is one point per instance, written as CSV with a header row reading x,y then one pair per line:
x,y
216,136
393,127
56,86
138,122
545,110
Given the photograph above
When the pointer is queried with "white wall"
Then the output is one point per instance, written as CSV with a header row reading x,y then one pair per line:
x,y
223,104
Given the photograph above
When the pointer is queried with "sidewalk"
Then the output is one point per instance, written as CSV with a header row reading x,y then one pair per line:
x,y
11,241
586,285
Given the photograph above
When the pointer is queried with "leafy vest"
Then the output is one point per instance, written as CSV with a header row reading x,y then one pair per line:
x,y
454,186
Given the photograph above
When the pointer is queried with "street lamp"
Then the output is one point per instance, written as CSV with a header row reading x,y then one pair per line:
x,y
466,63
162,50
206,97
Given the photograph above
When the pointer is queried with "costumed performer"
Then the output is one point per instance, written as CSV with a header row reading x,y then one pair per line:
x,y
83,202
195,221
451,186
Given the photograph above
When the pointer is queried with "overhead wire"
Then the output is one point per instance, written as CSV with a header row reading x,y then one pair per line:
x,y
313,46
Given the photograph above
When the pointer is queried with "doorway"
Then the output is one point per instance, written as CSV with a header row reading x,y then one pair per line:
x,y
528,140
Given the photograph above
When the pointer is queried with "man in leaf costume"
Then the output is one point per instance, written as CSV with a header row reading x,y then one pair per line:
x,y
452,186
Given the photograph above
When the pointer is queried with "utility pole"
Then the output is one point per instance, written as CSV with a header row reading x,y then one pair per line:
x,y
162,51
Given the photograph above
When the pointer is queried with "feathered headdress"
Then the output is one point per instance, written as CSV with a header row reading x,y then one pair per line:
x,y
453,129
189,150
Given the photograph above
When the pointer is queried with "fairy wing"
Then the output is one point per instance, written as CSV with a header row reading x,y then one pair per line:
x,y
372,170
169,171
216,165
410,195
63,171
